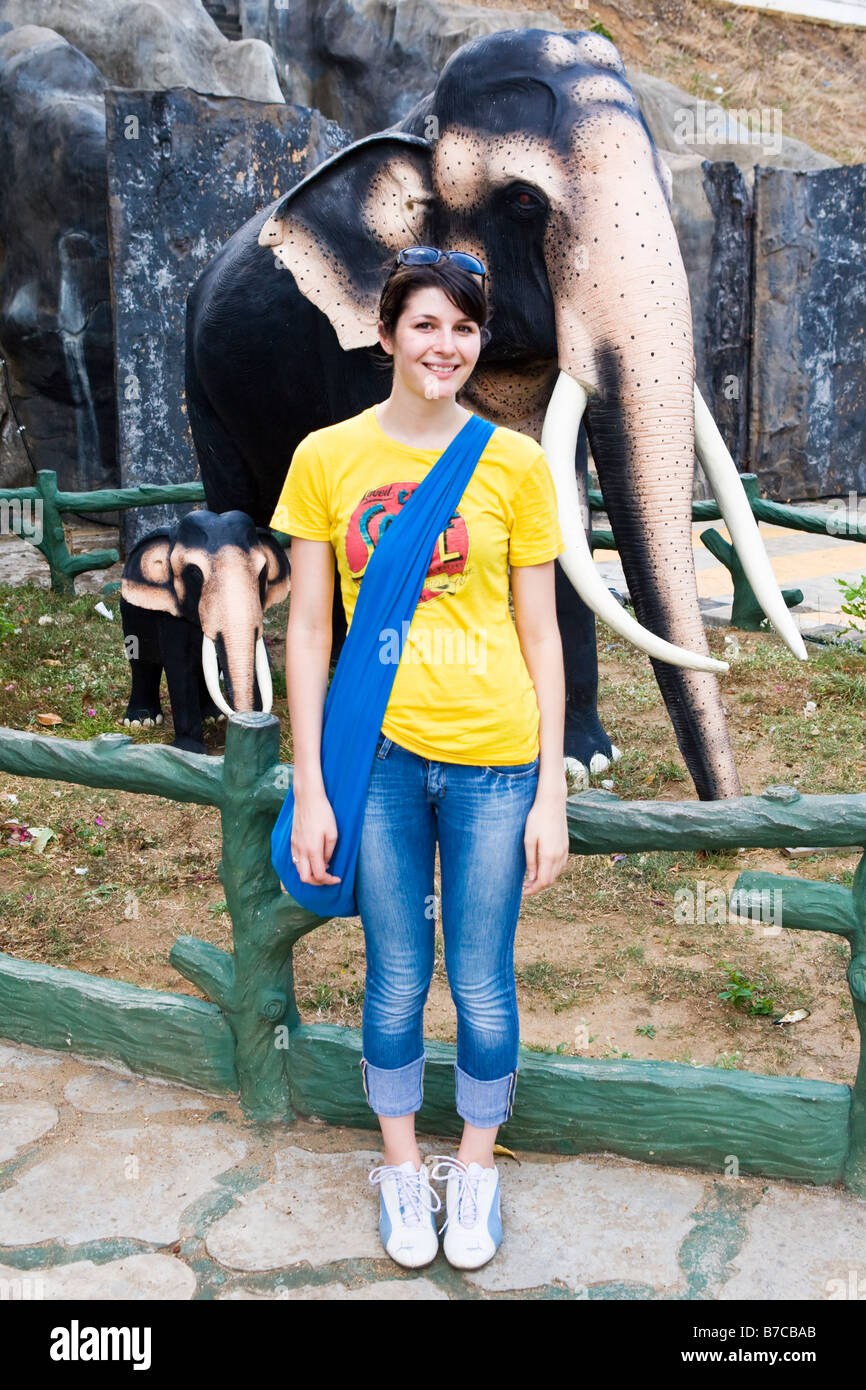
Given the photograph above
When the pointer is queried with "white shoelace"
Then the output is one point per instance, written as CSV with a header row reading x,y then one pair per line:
x,y
412,1191
467,1192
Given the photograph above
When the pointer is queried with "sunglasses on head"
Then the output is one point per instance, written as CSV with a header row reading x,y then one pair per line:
x,y
429,255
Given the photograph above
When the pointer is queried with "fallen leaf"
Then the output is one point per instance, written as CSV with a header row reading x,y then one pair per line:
x,y
501,1152
49,719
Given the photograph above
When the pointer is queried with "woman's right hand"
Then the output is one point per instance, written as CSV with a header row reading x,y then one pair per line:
x,y
314,835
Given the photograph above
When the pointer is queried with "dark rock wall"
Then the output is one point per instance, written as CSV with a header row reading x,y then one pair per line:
x,y
808,366
185,172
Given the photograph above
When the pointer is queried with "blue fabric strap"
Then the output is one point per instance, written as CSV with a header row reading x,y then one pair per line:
x,y
362,683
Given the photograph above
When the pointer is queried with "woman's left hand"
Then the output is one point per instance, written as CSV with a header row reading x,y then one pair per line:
x,y
546,842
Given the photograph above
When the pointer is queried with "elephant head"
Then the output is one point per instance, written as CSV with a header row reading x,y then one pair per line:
x,y
533,154
219,572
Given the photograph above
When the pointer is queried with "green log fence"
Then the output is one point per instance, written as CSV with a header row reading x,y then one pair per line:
x,y
246,1038
36,515
16,515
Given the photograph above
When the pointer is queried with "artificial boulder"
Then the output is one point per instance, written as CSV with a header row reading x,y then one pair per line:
x,y
55,309
155,44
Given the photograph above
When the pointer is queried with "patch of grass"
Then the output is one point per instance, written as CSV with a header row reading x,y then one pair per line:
x,y
740,991
562,987
730,1061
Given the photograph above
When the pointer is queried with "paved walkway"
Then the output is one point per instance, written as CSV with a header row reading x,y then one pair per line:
x,y
116,1187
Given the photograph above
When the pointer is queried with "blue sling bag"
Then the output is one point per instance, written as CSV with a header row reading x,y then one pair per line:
x,y
362,682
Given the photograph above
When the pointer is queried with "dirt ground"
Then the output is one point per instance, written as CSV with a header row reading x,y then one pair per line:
x,y
607,964
814,74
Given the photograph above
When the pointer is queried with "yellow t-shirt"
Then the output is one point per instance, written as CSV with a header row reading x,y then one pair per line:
x,y
462,692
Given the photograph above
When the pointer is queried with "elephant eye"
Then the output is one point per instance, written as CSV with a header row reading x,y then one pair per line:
x,y
525,202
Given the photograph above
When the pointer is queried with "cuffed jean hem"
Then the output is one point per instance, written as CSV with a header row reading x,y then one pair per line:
x,y
485,1103
393,1091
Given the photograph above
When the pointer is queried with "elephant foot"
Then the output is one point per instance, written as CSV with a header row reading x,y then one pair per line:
x,y
588,750
578,773
141,717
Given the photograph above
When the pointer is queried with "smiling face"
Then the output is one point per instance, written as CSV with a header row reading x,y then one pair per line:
x,y
435,345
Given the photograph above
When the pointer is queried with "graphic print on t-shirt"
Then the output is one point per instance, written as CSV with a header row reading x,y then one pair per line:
x,y
375,512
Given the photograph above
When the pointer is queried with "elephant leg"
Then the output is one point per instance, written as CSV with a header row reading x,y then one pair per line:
x,y
141,645
339,629
585,738
180,643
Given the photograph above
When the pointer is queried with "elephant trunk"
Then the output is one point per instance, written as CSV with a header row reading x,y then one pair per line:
x,y
641,431
243,659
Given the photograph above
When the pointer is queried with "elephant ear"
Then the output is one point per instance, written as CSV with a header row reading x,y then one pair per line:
x,y
277,570
147,579
339,229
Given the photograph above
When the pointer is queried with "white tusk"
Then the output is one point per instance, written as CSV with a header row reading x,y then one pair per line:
x,y
730,494
210,667
263,673
559,440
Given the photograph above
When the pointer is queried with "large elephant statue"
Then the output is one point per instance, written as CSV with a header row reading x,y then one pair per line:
x,y
532,153
192,603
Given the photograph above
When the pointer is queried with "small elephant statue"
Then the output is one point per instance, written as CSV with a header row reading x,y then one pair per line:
x,y
193,597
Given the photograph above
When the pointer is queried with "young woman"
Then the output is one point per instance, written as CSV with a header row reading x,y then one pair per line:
x,y
470,753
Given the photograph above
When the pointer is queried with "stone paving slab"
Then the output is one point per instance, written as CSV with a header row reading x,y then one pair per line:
x,y
802,1244
22,1122
560,1219
132,1182
317,1208
100,1093
136,1277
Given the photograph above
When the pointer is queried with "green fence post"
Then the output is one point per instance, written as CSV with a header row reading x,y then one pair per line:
x,y
746,613
53,544
262,1006
855,1163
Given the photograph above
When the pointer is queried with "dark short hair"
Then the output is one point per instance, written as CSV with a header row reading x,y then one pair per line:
x,y
461,286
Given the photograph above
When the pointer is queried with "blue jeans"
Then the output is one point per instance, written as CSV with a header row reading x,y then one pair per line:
x,y
478,814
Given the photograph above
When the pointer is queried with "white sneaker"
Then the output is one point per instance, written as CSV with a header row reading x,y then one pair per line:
x,y
473,1226
406,1221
